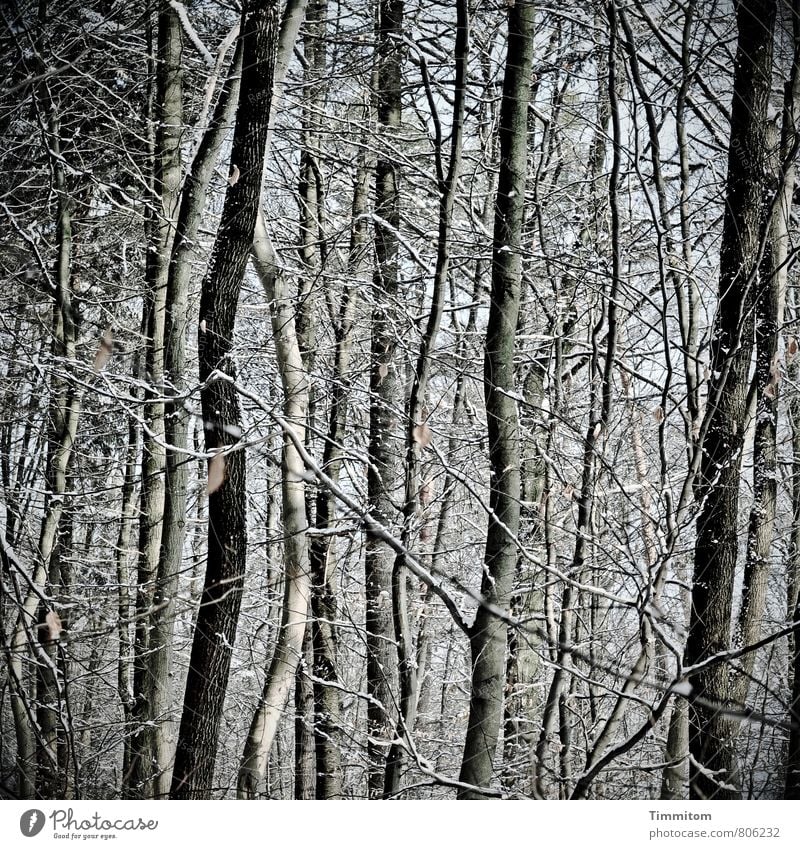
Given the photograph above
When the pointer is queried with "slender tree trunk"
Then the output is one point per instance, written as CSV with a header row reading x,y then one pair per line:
x,y
123,559
176,429
769,316
488,633
64,412
51,676
789,138
327,706
294,380
313,256
218,616
385,394
416,425
297,580
714,772
792,781
168,118
305,758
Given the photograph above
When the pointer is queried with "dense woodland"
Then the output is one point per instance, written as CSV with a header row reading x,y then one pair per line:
x,y
399,399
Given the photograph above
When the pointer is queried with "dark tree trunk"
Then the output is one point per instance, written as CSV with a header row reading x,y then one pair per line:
x,y
176,425
714,770
217,618
385,395
790,137
488,634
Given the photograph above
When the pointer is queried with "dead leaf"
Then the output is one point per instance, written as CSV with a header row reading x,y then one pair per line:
x,y
791,349
104,351
216,473
770,391
54,626
658,414
234,177
426,493
422,435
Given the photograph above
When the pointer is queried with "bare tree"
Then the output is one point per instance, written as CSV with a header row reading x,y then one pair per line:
x,y
488,633
227,511
713,769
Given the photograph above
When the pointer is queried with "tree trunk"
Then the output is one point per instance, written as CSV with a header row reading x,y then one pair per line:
x,y
385,394
447,186
327,703
789,134
714,770
792,781
488,633
305,756
294,380
168,119
215,632
128,509
184,249
769,316
63,414
297,580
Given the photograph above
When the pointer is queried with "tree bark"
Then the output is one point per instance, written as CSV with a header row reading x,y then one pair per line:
x,y
128,508
305,755
385,396
488,633
447,187
64,411
714,771
294,380
327,702
297,580
168,119
215,632
176,430
769,316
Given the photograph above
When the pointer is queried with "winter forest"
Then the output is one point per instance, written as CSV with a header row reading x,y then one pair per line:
x,y
399,399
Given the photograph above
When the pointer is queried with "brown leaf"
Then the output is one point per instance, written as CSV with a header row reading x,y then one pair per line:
x,y
426,494
104,351
234,177
54,626
422,435
658,414
791,348
770,391
775,368
216,473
